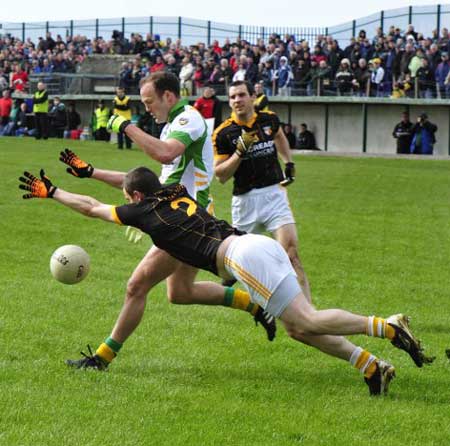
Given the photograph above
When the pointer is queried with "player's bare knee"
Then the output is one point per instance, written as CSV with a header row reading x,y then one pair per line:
x,y
136,289
178,295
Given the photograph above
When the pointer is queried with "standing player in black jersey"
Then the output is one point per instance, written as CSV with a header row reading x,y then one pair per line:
x,y
180,226
246,147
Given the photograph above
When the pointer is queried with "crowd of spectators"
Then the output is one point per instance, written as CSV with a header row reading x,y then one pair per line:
x,y
394,63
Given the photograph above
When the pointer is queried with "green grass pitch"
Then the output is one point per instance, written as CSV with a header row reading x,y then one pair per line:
x,y
375,239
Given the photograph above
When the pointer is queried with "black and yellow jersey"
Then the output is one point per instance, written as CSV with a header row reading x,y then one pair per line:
x,y
178,225
260,167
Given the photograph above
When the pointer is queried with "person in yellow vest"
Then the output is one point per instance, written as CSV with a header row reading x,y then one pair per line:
x,y
261,102
101,115
121,107
40,110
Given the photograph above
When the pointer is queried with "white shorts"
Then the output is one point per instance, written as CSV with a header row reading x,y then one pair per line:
x,y
261,209
262,265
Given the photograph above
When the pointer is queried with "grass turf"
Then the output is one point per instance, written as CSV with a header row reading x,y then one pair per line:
x,y
374,239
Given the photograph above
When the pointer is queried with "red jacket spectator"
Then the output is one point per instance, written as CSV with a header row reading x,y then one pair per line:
x,y
5,107
19,79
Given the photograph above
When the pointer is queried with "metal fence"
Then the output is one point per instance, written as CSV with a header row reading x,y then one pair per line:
x,y
190,31
424,18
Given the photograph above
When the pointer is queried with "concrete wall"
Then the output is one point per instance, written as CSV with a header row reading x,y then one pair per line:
x,y
341,128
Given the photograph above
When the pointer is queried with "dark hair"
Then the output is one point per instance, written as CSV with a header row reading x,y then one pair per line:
x,y
141,179
303,125
163,81
250,88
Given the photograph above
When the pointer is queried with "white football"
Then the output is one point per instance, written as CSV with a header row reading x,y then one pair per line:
x,y
69,264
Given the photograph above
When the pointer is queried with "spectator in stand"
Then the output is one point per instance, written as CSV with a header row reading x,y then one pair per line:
x,y
306,139
121,107
57,118
5,108
290,135
172,66
300,77
376,78
423,136
73,120
126,77
268,78
209,106
3,80
199,78
251,71
443,41
425,78
21,121
261,102
214,80
101,117
185,76
440,75
239,75
19,79
284,77
323,79
40,110
344,78
159,65
403,132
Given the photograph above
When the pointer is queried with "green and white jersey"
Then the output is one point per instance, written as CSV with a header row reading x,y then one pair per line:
x,y
194,167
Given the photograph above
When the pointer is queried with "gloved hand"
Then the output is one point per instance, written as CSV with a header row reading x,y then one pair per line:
x,y
245,143
117,124
39,188
134,235
78,167
289,173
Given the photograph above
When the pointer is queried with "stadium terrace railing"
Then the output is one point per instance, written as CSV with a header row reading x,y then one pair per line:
x,y
191,31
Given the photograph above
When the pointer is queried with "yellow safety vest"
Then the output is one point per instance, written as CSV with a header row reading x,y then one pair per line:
x,y
124,113
101,116
43,106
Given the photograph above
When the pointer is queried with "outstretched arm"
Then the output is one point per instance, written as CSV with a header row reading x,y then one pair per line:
x,y
81,169
43,188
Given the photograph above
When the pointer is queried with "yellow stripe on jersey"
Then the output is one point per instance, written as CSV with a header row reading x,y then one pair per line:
x,y
221,157
249,279
200,174
115,216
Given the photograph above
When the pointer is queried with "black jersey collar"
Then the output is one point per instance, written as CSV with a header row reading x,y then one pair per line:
x,y
248,124
177,109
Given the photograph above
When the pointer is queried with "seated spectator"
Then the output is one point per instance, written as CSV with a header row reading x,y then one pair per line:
x,y
57,118
21,121
209,106
290,135
306,139
344,78
423,136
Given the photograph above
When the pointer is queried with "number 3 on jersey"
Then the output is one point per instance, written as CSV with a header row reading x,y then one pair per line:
x,y
192,205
